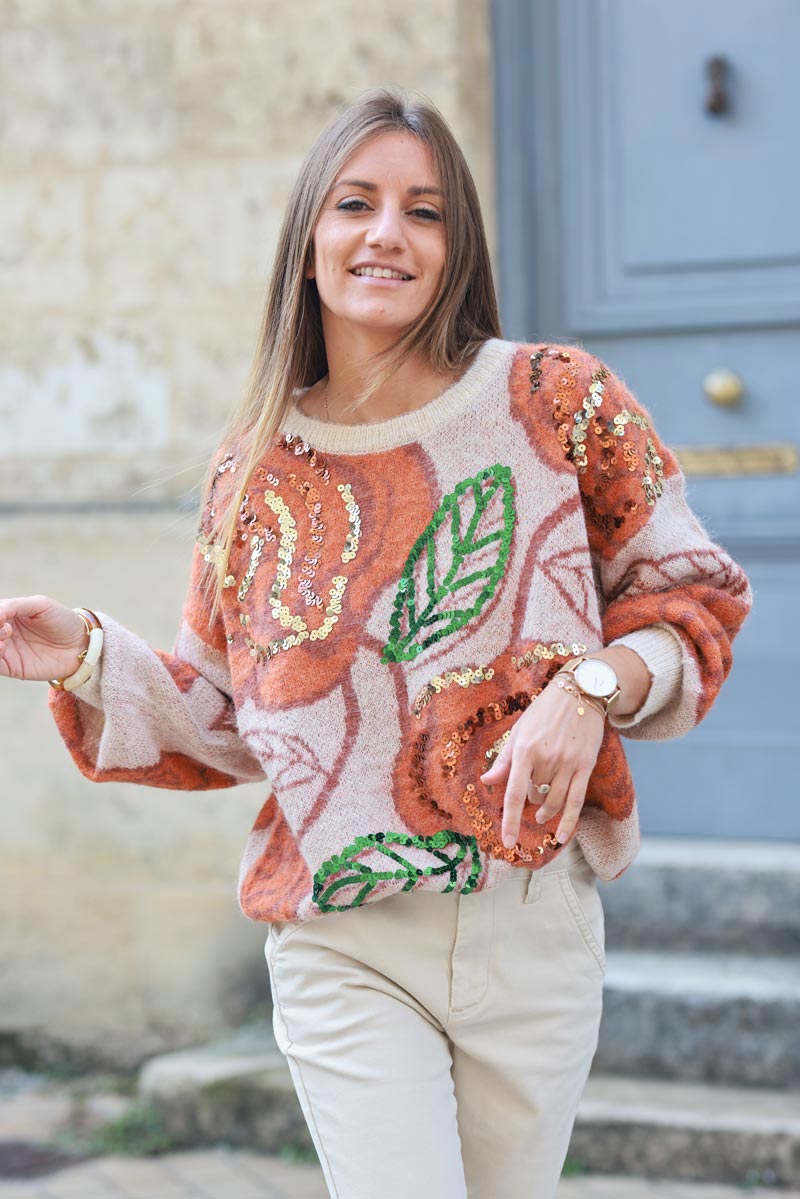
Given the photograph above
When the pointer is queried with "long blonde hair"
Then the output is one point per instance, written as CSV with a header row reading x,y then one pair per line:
x,y
290,353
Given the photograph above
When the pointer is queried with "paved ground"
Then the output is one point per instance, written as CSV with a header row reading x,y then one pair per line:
x,y
229,1174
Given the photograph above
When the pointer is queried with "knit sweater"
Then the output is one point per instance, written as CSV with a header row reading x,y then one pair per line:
x,y
399,593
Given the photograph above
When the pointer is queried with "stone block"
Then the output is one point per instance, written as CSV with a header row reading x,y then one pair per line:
x,y
85,408
726,1018
656,1129
42,235
26,13
268,78
238,1090
211,361
203,232
685,893
85,95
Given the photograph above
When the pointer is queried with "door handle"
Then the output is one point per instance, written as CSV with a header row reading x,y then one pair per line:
x,y
723,388
718,99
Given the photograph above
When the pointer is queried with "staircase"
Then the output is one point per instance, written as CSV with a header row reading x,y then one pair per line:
x,y
697,1070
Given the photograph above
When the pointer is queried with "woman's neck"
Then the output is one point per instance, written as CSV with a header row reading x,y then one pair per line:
x,y
415,384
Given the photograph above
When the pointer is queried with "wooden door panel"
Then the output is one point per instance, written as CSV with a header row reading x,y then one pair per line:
x,y
677,216
666,241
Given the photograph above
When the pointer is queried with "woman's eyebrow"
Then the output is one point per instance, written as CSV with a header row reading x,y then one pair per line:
x,y
426,189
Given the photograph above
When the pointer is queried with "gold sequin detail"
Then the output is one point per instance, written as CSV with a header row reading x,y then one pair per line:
x,y
256,546
653,473
441,682
417,774
252,523
653,466
354,535
296,445
545,653
494,750
507,705
213,553
288,536
490,844
210,550
587,411
315,541
536,363
572,432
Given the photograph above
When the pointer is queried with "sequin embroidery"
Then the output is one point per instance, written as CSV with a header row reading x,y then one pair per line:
x,y
489,843
572,429
441,682
437,604
299,631
507,705
359,873
545,653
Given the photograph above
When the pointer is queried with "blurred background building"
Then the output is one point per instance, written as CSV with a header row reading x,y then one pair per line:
x,y
637,165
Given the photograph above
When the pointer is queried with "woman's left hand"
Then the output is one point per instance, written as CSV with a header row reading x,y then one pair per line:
x,y
549,743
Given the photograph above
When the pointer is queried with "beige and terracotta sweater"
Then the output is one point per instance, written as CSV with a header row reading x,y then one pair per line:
x,y
401,591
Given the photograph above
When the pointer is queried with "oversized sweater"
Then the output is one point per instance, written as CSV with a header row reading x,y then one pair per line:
x,y
399,593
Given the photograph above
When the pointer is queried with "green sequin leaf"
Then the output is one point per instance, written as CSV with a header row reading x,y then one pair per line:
x,y
345,871
435,619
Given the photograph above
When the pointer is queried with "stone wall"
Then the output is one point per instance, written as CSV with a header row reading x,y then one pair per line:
x,y
146,153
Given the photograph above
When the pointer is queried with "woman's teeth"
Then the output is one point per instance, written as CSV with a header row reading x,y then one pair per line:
x,y
380,272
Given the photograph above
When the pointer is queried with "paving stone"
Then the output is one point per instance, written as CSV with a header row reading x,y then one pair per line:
x,y
211,1174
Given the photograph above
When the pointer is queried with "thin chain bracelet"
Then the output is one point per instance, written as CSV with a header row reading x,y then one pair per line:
x,y
580,696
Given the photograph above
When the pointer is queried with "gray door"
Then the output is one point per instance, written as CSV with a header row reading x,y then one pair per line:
x,y
649,166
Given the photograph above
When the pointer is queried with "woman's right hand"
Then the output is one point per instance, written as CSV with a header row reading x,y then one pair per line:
x,y
39,638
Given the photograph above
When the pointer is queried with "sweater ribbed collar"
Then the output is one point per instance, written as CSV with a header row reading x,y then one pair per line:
x,y
449,405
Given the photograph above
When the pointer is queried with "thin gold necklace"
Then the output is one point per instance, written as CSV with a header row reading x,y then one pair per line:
x,y
327,381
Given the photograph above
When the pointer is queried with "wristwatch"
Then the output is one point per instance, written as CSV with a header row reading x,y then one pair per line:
x,y
595,678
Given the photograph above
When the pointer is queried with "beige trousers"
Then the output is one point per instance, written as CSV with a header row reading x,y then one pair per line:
x,y
440,1043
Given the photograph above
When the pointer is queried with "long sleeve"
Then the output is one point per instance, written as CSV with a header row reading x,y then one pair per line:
x,y
161,719
659,572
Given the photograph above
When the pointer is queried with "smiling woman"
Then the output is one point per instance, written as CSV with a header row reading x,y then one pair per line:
x,y
438,575
378,260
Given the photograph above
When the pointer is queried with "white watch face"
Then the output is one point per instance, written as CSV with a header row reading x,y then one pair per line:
x,y
596,677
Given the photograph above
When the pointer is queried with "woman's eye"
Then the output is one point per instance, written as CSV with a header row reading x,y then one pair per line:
x,y
428,214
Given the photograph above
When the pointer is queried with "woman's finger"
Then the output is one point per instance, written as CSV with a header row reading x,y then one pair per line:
x,y
515,796
502,764
559,782
573,805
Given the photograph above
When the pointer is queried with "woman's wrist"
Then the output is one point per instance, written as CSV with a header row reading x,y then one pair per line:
x,y
88,656
632,674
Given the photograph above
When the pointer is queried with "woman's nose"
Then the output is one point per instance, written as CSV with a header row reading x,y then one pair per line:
x,y
386,228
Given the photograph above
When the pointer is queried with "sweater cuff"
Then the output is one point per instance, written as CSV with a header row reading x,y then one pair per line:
x,y
660,649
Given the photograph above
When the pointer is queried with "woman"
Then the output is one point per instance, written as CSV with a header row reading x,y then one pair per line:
x,y
438,572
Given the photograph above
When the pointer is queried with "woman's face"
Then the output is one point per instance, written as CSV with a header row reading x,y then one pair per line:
x,y
385,210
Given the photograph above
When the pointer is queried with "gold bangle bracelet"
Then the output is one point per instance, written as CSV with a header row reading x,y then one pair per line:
x,y
88,657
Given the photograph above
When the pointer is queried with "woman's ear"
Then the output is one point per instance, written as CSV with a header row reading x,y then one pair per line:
x,y
310,272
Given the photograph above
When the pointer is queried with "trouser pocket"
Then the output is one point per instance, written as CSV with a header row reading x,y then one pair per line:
x,y
579,890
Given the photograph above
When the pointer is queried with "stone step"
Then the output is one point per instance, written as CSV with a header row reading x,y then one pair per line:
x,y
695,894
236,1090
239,1091
727,1018
689,1131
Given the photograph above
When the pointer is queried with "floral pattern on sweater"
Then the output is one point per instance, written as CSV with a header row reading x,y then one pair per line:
x,y
398,595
